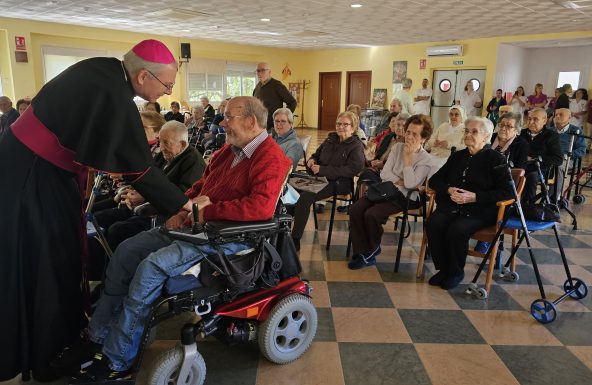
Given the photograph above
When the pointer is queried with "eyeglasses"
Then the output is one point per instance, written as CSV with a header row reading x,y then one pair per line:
x,y
228,117
339,124
472,132
261,70
167,86
506,126
280,121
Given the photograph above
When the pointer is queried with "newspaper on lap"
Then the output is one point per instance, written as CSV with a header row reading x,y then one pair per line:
x,y
303,182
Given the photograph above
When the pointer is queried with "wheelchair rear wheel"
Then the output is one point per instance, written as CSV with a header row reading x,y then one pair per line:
x,y
289,330
166,367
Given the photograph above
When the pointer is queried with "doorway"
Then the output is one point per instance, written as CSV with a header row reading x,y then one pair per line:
x,y
329,99
358,88
447,86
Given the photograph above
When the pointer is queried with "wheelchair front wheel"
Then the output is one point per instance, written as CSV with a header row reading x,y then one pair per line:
x,y
166,367
289,330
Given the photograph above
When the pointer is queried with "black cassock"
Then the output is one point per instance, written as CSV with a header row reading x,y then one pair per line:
x,y
90,109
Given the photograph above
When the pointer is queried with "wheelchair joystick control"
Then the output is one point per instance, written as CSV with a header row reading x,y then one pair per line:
x,y
197,227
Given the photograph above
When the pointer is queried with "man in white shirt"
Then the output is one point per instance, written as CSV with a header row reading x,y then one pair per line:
x,y
405,97
423,97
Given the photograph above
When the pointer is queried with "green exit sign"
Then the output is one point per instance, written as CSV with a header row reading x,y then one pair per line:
x,y
457,62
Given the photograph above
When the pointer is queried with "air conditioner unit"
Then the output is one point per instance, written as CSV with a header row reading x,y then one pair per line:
x,y
445,50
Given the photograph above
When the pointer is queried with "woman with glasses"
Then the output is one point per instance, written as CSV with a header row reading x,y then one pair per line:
x,y
449,135
467,187
407,167
285,136
339,158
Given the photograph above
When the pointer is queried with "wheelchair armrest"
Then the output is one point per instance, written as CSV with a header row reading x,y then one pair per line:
x,y
145,210
226,228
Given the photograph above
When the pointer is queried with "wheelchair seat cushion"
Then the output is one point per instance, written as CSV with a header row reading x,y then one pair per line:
x,y
181,283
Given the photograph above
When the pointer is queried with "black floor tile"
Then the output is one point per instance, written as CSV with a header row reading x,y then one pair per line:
x,y
544,365
566,240
359,294
369,363
439,327
498,299
572,328
171,328
542,256
313,270
526,277
230,365
325,327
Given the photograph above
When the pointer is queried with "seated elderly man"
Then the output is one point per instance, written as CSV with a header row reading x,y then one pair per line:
x,y
241,183
182,164
565,129
9,114
542,142
285,136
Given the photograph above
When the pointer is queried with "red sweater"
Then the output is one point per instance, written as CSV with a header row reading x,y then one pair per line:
x,y
246,192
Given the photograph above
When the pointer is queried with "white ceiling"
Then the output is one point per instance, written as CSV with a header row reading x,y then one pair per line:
x,y
314,24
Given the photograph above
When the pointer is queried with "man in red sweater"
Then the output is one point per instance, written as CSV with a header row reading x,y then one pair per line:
x,y
241,183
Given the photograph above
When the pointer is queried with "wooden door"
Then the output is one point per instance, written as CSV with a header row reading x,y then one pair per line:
x,y
358,88
329,99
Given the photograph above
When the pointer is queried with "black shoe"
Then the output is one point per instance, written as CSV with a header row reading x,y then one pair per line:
x,y
343,209
75,357
437,279
99,371
320,208
452,282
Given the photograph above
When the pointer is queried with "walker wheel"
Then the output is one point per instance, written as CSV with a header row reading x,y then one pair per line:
x,y
564,203
480,293
577,287
514,276
543,311
579,199
471,288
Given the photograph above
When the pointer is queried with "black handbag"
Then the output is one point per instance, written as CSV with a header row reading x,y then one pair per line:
x,y
384,191
542,212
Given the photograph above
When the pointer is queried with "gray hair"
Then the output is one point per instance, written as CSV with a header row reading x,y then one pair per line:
x,y
513,116
486,126
133,64
285,111
198,108
178,128
407,83
204,98
254,107
403,116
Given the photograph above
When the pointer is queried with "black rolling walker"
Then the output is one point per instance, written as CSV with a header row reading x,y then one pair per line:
x,y
543,310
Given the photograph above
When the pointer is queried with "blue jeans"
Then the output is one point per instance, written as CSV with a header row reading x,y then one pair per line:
x,y
134,280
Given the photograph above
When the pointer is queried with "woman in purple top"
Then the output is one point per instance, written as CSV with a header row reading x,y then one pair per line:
x,y
538,99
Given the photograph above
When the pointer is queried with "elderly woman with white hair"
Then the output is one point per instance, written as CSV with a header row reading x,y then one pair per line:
x,y
467,188
285,136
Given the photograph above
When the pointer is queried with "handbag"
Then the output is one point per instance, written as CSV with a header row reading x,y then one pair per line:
x,y
383,191
542,212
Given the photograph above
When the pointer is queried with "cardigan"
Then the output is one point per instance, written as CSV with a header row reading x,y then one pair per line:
x,y
413,176
184,169
248,191
546,144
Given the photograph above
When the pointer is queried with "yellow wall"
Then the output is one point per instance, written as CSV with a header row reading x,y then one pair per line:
x,y
27,78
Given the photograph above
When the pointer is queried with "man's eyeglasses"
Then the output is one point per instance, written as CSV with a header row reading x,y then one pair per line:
x,y
339,124
228,117
261,70
167,86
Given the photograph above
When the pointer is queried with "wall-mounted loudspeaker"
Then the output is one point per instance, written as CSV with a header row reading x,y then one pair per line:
x,y
185,50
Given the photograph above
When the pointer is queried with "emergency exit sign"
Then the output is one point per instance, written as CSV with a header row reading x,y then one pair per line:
x,y
458,62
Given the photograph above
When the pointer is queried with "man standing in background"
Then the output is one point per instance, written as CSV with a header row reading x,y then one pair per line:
x,y
272,93
423,98
9,114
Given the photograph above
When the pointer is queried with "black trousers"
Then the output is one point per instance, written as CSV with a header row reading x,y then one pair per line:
x,y
448,239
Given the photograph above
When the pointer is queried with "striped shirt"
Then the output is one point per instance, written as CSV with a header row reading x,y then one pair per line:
x,y
246,152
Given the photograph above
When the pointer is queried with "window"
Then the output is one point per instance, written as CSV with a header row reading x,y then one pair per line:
x,y
57,59
445,85
572,77
219,79
476,84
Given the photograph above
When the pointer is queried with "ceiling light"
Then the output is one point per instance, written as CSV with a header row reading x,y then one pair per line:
x,y
356,5
185,30
265,19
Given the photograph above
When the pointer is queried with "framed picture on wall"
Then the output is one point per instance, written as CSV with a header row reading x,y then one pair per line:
x,y
399,71
294,89
378,98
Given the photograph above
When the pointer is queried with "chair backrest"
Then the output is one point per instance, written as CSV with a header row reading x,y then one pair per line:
x,y
305,142
518,175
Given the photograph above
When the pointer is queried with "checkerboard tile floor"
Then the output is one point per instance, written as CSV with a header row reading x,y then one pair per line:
x,y
380,327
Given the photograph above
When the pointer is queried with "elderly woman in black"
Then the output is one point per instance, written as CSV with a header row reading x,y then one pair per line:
x,y
339,158
467,189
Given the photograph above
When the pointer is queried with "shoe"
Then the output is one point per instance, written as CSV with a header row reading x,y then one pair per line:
x,y
75,357
364,261
319,208
482,247
99,371
437,279
452,282
343,209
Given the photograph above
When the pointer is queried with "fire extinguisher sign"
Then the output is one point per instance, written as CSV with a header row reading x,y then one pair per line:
x,y
19,43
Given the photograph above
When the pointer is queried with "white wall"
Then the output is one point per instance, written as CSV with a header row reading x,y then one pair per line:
x,y
529,66
510,69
